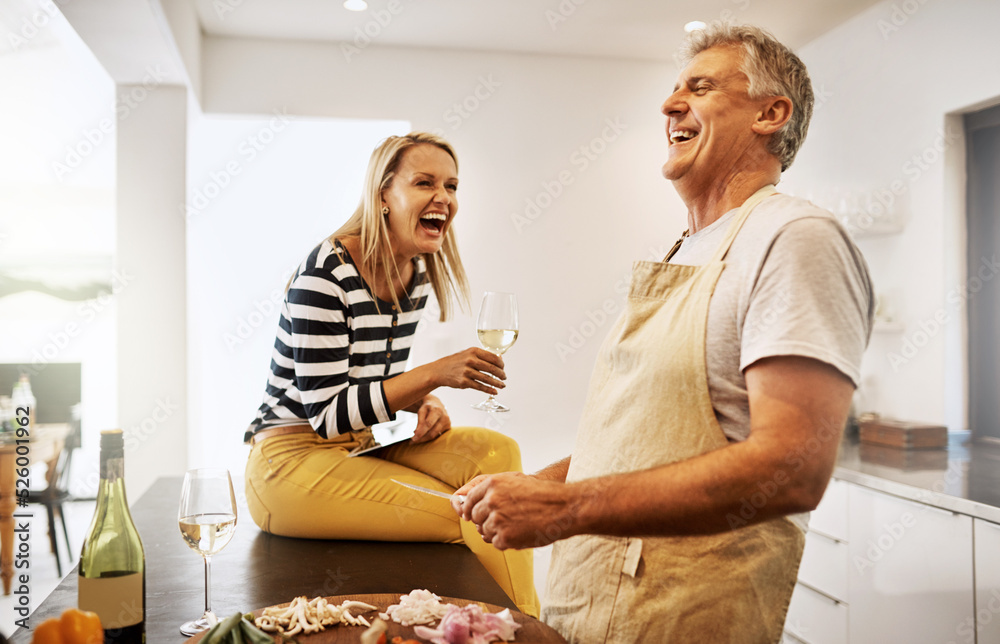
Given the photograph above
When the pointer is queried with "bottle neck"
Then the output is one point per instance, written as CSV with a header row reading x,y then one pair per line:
x,y
112,469
112,486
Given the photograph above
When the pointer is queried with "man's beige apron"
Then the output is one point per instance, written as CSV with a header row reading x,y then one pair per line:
x,y
649,405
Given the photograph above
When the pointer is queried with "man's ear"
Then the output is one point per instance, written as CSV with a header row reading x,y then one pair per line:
x,y
773,115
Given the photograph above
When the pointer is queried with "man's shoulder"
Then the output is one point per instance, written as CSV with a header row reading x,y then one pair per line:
x,y
780,210
782,213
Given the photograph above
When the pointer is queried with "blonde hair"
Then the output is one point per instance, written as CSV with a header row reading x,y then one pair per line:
x,y
773,70
370,226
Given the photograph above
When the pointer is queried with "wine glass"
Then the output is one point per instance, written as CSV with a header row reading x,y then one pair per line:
x,y
207,518
497,329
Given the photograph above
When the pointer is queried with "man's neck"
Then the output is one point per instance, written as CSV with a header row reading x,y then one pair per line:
x,y
707,203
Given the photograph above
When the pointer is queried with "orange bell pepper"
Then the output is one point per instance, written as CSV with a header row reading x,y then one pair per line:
x,y
73,627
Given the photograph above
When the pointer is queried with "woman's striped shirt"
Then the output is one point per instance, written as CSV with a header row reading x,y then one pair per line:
x,y
335,345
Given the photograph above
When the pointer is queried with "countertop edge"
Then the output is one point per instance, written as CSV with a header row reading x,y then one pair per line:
x,y
932,498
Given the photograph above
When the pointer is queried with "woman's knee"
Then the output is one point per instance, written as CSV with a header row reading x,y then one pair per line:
x,y
495,452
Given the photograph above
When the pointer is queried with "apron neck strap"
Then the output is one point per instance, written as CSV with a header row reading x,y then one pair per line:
x,y
734,227
741,217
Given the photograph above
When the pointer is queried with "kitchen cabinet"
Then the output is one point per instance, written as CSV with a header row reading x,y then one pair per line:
x,y
818,613
987,540
878,568
830,516
910,574
824,565
815,618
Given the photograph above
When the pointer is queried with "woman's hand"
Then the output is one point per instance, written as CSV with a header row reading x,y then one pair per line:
x,y
432,420
473,368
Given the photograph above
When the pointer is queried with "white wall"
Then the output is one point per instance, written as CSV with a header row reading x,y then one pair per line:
x,y
890,76
519,125
152,302
262,192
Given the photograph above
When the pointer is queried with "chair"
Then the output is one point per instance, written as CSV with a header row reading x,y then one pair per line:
x,y
56,493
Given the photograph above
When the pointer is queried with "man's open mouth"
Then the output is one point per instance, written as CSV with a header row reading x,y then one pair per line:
x,y
679,136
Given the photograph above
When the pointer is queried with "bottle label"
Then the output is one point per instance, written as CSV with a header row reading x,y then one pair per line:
x,y
116,600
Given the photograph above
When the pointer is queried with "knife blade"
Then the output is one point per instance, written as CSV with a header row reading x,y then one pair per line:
x,y
425,490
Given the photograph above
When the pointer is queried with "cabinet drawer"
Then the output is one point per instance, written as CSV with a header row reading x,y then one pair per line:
x,y
824,565
830,516
910,576
816,619
987,556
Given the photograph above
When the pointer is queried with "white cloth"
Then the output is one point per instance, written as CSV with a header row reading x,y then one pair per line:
x,y
794,284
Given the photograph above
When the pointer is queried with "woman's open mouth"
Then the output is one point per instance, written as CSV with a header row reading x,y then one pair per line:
x,y
433,222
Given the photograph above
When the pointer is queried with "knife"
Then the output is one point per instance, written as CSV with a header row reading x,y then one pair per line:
x,y
425,490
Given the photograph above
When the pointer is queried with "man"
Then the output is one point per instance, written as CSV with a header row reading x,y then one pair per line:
x,y
717,402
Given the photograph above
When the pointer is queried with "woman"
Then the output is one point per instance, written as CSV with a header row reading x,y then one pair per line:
x,y
346,326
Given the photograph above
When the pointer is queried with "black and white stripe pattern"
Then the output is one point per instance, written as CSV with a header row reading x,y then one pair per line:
x,y
335,346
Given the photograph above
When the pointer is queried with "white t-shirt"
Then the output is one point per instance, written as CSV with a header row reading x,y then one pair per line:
x,y
794,284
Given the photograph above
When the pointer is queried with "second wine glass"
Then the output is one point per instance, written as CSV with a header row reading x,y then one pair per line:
x,y
497,330
207,519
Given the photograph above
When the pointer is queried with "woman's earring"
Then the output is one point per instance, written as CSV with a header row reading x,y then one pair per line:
x,y
385,210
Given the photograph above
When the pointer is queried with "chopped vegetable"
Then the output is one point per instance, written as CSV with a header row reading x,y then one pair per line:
x,y
418,607
470,625
235,629
48,633
375,633
305,616
73,627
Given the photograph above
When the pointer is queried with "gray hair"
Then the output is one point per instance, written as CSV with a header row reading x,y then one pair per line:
x,y
773,70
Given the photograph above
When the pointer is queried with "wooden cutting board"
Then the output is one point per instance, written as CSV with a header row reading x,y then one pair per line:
x,y
532,631
903,434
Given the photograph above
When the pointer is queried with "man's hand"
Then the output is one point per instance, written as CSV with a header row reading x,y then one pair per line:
x,y
458,504
514,510
432,420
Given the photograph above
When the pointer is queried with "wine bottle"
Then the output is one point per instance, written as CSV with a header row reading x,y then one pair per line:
x,y
112,572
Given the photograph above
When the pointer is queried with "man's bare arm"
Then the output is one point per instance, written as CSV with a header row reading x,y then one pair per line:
x,y
555,472
798,407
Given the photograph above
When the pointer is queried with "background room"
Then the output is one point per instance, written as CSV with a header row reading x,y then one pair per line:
x,y
167,163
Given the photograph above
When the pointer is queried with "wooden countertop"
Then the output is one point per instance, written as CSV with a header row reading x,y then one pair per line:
x,y
257,570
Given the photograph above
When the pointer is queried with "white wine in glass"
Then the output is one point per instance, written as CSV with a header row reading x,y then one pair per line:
x,y
497,330
497,340
207,519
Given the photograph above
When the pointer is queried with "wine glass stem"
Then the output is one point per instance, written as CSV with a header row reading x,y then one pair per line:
x,y
208,584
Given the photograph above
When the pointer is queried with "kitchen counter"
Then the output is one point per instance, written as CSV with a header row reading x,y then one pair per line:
x,y
962,478
258,569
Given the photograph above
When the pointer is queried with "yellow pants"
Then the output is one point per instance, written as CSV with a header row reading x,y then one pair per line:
x,y
301,485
